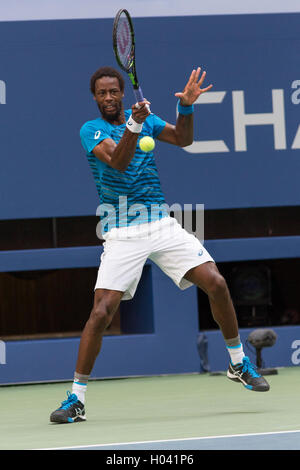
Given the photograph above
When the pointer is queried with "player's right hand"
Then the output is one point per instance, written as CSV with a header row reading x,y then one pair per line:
x,y
140,111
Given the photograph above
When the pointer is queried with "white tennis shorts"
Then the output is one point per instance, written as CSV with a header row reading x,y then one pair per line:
x,y
164,242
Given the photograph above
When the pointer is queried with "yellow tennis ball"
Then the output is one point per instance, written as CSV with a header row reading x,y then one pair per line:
x,y
147,144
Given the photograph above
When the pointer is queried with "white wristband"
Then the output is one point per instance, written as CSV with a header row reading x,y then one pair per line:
x,y
134,126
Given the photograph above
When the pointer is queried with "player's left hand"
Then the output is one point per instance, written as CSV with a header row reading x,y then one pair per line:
x,y
193,88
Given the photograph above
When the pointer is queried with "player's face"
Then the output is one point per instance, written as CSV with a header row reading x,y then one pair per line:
x,y
109,97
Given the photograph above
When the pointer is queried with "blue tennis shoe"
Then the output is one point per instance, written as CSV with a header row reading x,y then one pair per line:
x,y
70,411
247,374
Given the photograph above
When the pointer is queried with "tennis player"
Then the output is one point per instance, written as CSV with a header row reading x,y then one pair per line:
x,y
125,174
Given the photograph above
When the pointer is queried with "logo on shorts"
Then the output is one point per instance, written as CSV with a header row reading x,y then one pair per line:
x,y
97,135
200,253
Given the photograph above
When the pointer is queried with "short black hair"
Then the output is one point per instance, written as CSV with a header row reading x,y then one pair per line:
x,y
106,72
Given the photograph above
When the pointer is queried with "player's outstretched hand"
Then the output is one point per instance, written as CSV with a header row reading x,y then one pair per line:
x,y
140,111
193,88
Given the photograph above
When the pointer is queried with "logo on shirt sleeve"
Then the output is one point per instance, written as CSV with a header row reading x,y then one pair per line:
x,y
97,135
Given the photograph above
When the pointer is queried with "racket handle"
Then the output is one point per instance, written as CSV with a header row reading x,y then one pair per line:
x,y
139,96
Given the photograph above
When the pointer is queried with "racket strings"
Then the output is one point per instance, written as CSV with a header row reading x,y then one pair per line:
x,y
124,42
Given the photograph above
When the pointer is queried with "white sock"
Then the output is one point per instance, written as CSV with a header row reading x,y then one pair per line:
x,y
79,389
236,353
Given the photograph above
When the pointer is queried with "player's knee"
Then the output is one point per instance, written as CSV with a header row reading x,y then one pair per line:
x,y
101,316
217,286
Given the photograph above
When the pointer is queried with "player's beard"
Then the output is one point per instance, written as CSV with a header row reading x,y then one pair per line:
x,y
111,117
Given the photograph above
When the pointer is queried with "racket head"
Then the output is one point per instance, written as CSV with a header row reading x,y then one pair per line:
x,y
124,44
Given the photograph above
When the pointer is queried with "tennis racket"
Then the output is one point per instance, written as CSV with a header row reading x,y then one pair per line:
x,y
124,49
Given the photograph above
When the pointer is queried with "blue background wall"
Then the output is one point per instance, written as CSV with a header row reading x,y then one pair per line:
x,y
46,66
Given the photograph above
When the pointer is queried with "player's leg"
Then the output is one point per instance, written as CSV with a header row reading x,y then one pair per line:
x,y
106,303
119,273
208,278
185,260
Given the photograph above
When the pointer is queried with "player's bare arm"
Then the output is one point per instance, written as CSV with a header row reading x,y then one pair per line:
x,y
119,155
182,134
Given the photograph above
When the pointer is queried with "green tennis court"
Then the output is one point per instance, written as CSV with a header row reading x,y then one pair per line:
x,y
162,412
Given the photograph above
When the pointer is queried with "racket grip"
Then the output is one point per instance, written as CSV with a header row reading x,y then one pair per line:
x,y
139,96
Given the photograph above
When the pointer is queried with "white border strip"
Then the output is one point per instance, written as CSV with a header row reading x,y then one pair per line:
x,y
24,10
91,446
